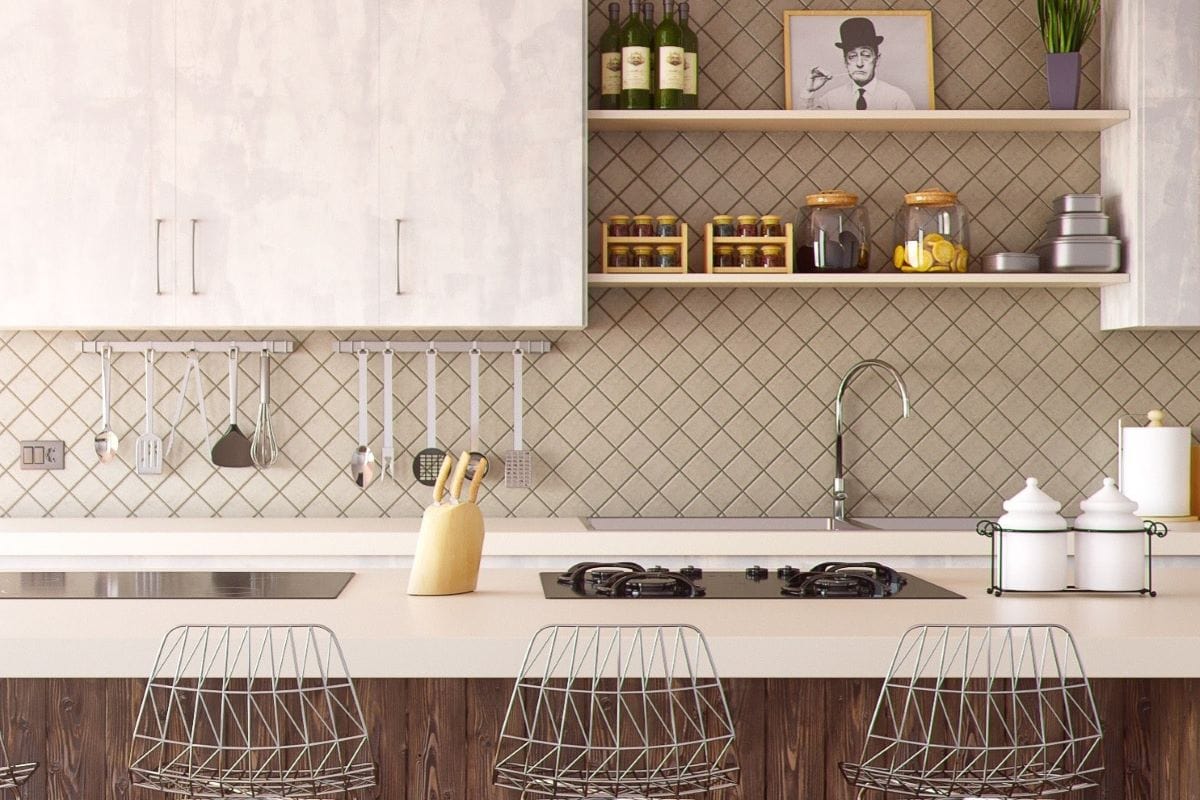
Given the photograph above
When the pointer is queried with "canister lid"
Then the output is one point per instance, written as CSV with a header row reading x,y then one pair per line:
x,y
619,219
931,197
723,219
668,219
1031,509
643,218
771,219
835,198
1108,510
747,219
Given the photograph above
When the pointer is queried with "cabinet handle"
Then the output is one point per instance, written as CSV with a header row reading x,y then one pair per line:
x,y
158,257
194,223
398,221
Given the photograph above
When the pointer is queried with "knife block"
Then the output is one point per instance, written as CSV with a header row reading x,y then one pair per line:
x,y
449,549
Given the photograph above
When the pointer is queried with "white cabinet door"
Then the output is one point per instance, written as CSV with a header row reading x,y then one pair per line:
x,y
483,125
77,205
277,163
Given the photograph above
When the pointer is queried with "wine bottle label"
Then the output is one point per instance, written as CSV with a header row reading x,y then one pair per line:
x,y
670,68
635,68
691,74
610,73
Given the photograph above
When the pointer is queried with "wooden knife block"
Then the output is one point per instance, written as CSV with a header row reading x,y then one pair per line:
x,y
449,548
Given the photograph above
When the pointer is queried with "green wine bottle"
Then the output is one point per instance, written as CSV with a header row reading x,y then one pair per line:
x,y
648,18
610,60
668,56
691,59
636,43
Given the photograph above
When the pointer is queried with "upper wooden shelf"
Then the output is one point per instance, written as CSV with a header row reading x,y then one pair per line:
x,y
862,280
855,121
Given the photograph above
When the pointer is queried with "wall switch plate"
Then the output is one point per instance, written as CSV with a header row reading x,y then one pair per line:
x,y
43,454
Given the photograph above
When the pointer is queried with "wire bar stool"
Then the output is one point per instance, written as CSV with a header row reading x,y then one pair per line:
x,y
14,776
610,711
251,711
970,711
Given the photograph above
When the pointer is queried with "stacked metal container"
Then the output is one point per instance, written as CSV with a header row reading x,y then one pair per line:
x,y
1078,238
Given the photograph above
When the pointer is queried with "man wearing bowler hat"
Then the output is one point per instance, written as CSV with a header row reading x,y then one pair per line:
x,y
862,90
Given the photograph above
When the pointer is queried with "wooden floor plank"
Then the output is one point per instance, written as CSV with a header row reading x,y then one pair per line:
x,y
487,701
849,704
385,709
747,705
24,715
437,730
797,729
76,750
121,701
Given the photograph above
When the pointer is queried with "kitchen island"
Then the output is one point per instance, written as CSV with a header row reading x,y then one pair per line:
x,y
434,675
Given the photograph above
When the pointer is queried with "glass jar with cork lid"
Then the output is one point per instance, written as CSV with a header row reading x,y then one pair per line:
x,y
832,233
932,233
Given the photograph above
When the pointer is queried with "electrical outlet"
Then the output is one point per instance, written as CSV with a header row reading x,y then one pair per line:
x,y
44,454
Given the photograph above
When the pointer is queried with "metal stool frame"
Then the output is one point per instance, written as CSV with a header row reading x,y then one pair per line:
x,y
251,711
982,711
612,711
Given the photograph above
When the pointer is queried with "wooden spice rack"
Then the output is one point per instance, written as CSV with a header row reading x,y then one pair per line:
x,y
680,241
785,241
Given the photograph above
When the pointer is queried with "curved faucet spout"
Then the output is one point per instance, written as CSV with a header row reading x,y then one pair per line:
x,y
839,477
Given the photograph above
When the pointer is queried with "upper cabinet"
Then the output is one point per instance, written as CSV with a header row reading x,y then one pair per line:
x,y
483,192
78,198
258,164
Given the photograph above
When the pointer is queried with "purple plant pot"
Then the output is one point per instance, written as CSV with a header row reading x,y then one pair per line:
x,y
1062,79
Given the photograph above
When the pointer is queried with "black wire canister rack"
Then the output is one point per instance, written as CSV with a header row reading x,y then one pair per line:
x,y
993,531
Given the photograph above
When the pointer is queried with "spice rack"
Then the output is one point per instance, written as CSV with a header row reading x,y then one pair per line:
x,y
680,241
711,242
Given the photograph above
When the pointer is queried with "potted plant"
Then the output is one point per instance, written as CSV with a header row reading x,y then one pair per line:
x,y
1066,25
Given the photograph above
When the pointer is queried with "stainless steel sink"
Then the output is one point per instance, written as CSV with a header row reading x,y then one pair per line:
x,y
778,524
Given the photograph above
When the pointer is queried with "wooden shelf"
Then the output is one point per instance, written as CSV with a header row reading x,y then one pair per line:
x,y
860,280
855,121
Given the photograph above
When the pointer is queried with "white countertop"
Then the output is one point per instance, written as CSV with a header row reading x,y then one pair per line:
x,y
386,633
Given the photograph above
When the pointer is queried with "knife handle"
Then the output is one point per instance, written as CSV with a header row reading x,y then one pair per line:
x,y
439,488
481,467
460,474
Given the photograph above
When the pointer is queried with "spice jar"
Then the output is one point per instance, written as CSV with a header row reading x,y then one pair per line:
x,y
772,256
618,225
932,233
666,256
747,255
770,225
666,225
832,233
723,225
724,256
643,256
643,225
618,256
747,225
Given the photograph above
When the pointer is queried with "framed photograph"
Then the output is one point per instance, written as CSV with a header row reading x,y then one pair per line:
x,y
873,61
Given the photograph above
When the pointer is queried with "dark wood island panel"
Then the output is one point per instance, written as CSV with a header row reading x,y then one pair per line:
x,y
434,738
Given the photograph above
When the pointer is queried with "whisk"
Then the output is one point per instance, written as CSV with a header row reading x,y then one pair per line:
x,y
264,450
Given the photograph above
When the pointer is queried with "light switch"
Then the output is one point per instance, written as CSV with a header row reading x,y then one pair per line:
x,y
44,454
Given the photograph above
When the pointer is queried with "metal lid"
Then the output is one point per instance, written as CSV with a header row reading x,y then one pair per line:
x,y
834,198
772,250
723,219
768,219
667,218
619,218
931,197
643,218
643,250
664,249
747,219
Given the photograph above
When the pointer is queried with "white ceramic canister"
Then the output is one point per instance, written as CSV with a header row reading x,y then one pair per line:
x,y
1110,543
1155,467
1033,550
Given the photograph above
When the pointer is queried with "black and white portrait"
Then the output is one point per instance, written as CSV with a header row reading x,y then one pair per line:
x,y
874,61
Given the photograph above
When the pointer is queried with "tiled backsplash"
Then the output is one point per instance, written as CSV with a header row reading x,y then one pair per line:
x,y
706,402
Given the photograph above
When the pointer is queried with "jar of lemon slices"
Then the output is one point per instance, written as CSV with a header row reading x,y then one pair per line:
x,y
932,233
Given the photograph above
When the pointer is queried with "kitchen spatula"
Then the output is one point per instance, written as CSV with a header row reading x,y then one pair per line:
x,y
518,462
428,463
233,448
148,450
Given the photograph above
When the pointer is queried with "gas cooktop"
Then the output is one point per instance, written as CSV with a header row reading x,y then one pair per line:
x,y
831,579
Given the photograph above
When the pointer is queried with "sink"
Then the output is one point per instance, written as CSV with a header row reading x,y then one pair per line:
x,y
778,523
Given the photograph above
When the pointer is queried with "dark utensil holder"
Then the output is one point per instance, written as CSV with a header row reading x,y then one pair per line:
x,y
993,531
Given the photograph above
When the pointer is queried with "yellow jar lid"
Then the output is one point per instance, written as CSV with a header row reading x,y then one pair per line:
x,y
642,218
666,249
723,219
725,249
834,198
619,219
931,197
643,250
747,250
669,219
771,219
747,219
620,249
772,250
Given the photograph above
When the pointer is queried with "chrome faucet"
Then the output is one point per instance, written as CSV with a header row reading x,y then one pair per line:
x,y
839,522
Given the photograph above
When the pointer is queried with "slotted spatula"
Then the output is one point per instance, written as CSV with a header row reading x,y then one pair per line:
x,y
148,450
518,462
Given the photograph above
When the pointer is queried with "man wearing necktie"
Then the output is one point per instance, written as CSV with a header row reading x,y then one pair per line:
x,y
863,90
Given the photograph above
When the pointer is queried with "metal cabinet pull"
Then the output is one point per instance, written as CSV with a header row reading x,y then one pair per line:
x,y
398,221
194,222
158,256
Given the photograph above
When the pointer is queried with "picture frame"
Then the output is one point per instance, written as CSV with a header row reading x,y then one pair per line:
x,y
868,61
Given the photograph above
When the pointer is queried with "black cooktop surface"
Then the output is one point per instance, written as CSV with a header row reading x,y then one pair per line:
x,y
173,585
829,580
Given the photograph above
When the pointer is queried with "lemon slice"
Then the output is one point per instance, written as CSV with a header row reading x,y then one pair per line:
x,y
926,261
898,256
939,268
960,261
933,238
943,252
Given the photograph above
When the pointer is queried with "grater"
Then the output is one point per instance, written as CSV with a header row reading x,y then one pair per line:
x,y
518,462
428,463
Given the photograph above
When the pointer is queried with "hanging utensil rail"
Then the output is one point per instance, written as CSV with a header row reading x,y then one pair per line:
x,y
539,346
122,346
